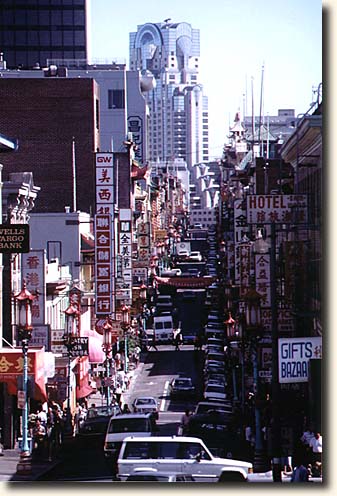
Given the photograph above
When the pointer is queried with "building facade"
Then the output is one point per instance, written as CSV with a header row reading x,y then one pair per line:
x,y
57,123
35,31
170,52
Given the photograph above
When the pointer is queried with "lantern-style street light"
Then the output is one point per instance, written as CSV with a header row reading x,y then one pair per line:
x,y
72,315
107,348
25,300
232,335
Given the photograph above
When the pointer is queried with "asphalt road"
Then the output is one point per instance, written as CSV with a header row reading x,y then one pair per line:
x,y
85,462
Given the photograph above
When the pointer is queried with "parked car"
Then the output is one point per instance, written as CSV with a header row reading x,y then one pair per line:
x,y
121,426
171,273
146,404
215,391
171,453
196,256
155,476
210,406
96,421
181,387
215,429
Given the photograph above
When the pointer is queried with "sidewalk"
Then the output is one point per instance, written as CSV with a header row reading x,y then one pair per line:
x,y
8,464
10,458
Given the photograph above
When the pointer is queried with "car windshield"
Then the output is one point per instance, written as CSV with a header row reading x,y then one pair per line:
x,y
100,412
183,382
129,425
145,401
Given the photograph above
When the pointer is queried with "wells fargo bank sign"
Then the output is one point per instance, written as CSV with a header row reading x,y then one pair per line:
x,y
14,238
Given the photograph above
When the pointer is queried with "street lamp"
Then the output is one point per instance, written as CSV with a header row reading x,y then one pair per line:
x,y
25,300
125,324
232,335
252,301
70,331
107,348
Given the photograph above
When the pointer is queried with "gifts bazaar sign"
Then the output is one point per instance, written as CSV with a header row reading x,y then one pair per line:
x,y
14,238
294,355
265,209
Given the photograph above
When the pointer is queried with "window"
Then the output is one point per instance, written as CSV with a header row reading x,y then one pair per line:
x,y
116,99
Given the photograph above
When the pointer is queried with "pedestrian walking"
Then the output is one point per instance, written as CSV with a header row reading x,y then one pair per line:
x,y
177,339
184,422
316,444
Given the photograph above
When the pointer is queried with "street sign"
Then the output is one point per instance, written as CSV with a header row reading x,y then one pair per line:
x,y
80,346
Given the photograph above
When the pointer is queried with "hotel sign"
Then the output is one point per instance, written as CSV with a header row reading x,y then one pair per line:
x,y
283,209
14,238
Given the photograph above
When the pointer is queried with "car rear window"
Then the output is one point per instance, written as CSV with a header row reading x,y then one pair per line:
x,y
130,425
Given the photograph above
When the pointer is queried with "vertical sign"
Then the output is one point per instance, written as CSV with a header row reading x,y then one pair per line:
x,y
125,251
244,257
103,266
104,235
34,272
135,126
240,227
262,278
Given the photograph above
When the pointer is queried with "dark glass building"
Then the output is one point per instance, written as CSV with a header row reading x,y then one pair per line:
x,y
40,32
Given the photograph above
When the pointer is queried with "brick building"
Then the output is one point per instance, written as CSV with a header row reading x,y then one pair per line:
x,y
45,115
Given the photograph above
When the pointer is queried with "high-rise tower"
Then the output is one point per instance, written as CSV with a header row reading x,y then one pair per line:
x,y
35,31
178,106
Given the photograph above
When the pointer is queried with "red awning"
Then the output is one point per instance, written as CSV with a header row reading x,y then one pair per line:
x,y
186,282
11,370
83,388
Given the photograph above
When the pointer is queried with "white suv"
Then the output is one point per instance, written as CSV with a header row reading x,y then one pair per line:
x,y
187,455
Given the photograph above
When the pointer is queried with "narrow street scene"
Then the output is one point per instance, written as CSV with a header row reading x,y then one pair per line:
x,y
160,288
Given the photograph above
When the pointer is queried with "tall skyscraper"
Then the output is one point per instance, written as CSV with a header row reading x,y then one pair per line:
x,y
35,31
178,106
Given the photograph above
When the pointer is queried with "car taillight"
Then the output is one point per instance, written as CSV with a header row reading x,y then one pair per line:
x,y
250,470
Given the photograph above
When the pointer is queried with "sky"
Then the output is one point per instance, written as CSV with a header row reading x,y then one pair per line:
x,y
245,45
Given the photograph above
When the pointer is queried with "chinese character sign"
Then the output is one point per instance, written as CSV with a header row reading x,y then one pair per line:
x,y
262,277
103,265
265,209
33,271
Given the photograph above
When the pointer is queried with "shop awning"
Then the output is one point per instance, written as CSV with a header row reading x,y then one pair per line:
x,y
96,354
83,388
11,370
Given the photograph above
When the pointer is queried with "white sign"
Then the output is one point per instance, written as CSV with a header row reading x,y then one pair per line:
x,y
264,209
294,355
34,272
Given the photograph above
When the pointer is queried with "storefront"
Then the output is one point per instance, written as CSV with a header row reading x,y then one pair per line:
x,y
41,365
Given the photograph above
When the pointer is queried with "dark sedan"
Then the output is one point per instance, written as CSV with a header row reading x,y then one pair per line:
x,y
95,424
181,387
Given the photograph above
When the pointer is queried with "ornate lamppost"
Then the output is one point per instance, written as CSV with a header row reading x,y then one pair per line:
x,y
72,315
25,300
232,335
253,327
125,324
107,348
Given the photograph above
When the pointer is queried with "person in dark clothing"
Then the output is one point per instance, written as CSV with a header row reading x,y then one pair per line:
x,y
300,474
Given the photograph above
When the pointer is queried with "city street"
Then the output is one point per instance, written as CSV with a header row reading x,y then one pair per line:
x,y
86,461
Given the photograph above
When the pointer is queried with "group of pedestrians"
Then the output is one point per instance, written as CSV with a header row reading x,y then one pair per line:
x,y
47,430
